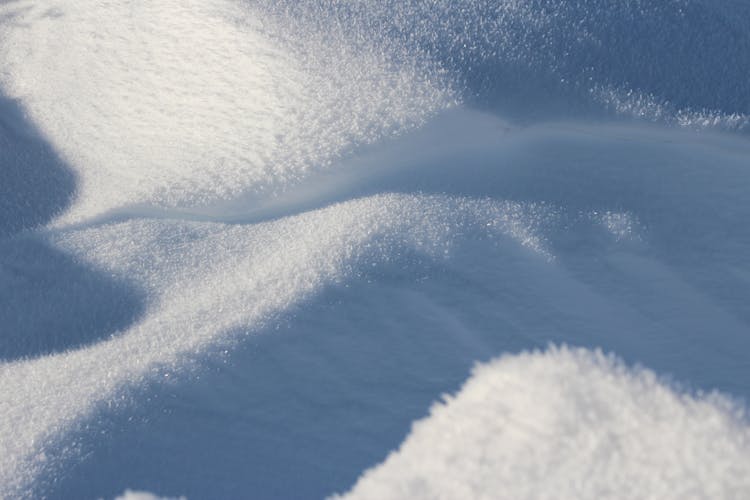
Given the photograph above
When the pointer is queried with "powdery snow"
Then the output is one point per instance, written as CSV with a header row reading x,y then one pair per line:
x,y
568,423
144,495
181,177
190,104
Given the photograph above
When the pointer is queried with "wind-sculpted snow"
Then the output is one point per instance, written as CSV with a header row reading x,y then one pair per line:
x,y
35,185
315,216
204,280
185,104
568,424
682,62
601,262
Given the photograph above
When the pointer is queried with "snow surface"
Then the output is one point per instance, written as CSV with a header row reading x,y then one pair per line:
x,y
248,241
567,424
144,495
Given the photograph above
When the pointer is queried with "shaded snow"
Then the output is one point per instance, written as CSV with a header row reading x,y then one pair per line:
x,y
373,196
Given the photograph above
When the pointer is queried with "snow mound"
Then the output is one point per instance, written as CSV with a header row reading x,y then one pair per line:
x,y
205,281
568,423
188,104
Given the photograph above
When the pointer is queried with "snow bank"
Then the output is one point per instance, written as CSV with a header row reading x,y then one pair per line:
x,y
568,423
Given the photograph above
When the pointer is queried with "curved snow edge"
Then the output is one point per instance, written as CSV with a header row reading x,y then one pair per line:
x,y
568,423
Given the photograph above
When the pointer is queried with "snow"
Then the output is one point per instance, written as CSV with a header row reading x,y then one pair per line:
x,y
568,423
248,241
187,104
144,495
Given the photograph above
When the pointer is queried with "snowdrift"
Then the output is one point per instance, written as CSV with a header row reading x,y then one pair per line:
x,y
513,428
248,241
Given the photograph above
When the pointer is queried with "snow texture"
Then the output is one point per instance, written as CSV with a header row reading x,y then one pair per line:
x,y
248,240
144,495
568,423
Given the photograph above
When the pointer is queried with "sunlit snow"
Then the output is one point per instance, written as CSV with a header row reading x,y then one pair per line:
x,y
246,244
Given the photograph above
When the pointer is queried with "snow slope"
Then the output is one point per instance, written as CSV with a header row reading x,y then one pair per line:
x,y
620,424
243,241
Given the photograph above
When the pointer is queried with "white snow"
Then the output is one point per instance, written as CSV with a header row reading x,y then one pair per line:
x,y
207,279
182,178
568,423
188,104
144,495
204,281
